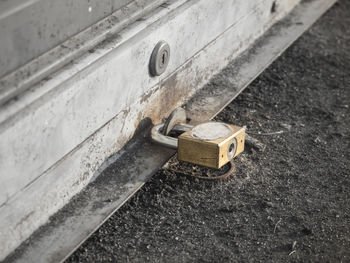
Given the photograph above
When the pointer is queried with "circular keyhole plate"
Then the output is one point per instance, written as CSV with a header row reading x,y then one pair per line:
x,y
159,58
231,151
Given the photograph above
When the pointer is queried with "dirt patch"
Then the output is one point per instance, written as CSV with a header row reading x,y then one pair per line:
x,y
290,202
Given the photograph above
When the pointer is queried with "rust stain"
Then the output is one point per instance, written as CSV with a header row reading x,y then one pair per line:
x,y
148,95
172,92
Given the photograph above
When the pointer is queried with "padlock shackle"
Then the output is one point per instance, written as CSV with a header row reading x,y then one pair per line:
x,y
168,141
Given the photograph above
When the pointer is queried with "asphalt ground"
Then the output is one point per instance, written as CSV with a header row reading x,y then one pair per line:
x,y
288,203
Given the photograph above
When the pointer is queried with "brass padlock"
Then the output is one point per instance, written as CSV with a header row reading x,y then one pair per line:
x,y
210,144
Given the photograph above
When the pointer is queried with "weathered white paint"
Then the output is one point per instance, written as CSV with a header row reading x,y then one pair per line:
x,y
42,66
98,105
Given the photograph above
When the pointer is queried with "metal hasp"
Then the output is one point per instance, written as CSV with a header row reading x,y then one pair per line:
x,y
159,58
210,144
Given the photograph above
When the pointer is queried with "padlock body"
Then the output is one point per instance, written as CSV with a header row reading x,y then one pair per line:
x,y
211,144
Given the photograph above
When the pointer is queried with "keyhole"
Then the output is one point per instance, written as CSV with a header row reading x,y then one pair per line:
x,y
163,58
159,58
231,148
273,7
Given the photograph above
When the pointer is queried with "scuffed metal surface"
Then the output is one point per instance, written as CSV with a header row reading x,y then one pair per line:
x,y
139,159
32,50
30,28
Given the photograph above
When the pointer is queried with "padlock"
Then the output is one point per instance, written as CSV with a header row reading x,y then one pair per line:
x,y
210,144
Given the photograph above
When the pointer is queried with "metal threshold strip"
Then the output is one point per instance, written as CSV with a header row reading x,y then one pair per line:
x,y
128,170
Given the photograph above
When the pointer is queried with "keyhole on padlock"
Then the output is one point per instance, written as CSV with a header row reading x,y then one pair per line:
x,y
232,147
231,150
